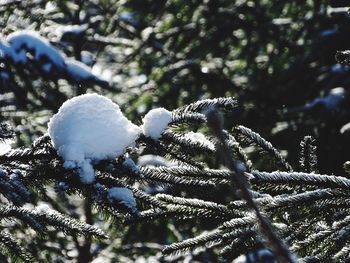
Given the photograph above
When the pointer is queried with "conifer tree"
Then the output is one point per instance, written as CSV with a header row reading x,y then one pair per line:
x,y
209,185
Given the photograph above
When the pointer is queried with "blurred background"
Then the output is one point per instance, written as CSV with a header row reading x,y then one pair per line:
x,y
276,57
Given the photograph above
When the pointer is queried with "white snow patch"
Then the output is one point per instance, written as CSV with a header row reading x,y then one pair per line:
x,y
155,122
122,195
32,41
44,208
199,138
90,128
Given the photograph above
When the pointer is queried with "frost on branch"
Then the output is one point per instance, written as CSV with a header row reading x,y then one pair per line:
x,y
155,122
89,128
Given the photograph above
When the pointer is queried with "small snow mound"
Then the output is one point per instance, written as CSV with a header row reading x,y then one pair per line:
x,y
43,209
32,41
197,137
71,29
153,160
155,122
90,128
122,195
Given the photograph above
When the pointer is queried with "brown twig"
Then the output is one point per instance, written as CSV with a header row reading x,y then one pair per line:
x,y
282,252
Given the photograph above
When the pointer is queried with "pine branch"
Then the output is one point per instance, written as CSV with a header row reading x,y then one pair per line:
x,y
220,103
9,243
194,203
190,172
53,218
187,244
151,215
295,178
154,176
22,214
239,180
6,132
186,144
180,117
232,142
308,157
343,253
187,212
265,145
239,222
171,150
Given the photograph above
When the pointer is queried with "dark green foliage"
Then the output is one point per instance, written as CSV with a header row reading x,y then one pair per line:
x,y
293,201
5,131
308,156
276,57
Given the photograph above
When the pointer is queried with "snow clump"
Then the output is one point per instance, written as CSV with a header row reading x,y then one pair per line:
x,y
44,208
124,196
90,128
155,122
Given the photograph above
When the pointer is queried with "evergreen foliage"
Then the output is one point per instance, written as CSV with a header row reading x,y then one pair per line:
x,y
308,210
228,192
